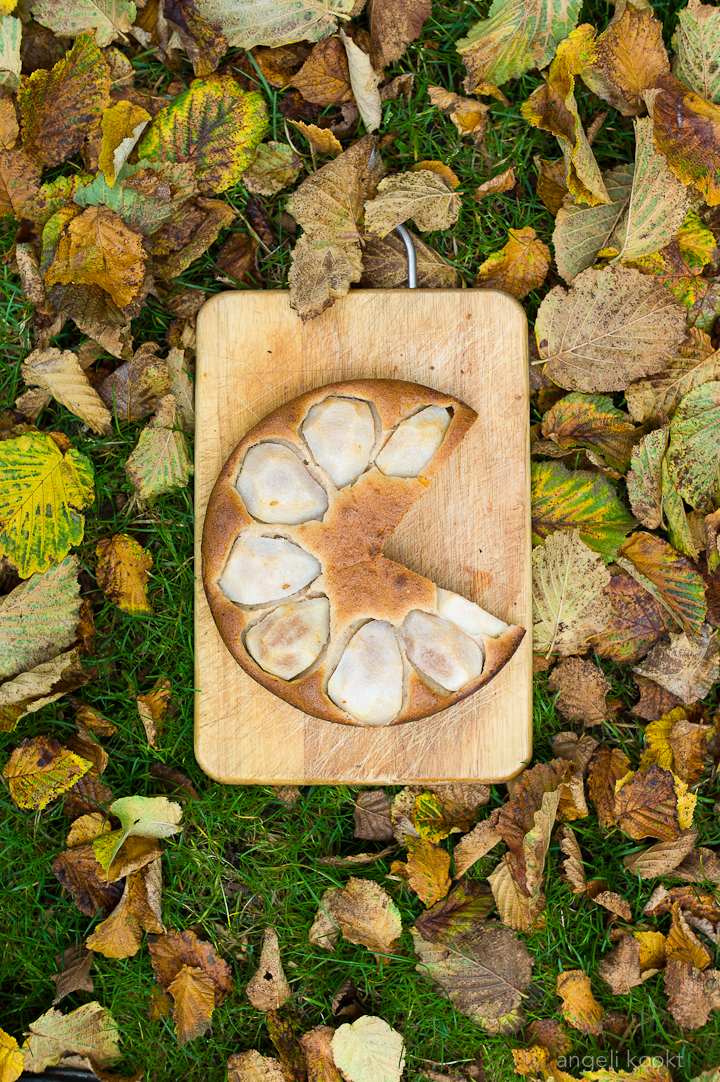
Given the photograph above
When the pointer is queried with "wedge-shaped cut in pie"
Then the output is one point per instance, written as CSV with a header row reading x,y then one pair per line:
x,y
293,565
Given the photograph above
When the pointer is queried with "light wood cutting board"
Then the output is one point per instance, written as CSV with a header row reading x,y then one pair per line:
x,y
470,532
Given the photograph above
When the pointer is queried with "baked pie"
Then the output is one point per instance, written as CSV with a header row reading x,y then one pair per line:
x,y
293,567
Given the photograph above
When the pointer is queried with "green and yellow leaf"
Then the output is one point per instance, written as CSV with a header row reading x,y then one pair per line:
x,y
578,500
668,576
569,603
519,267
697,44
122,125
581,231
694,451
40,769
687,132
109,19
38,619
162,460
627,58
584,420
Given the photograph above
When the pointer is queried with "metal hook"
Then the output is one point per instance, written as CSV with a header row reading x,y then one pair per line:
x,y
411,254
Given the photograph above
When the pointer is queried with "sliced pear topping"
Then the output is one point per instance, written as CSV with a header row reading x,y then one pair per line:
x,y
261,569
441,651
340,432
368,681
276,486
468,616
414,442
289,639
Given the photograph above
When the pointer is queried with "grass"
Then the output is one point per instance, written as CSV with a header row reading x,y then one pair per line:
x,y
245,859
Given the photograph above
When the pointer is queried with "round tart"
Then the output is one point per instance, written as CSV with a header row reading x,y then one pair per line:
x,y
293,567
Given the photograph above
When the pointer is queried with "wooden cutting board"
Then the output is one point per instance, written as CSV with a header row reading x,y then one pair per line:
x,y
470,532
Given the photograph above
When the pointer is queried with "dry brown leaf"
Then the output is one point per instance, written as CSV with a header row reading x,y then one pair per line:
x,y
321,140
137,911
548,1033
605,768
687,743
358,858
86,828
74,974
519,267
469,901
477,843
552,187
194,996
385,264
467,114
621,967
275,166
573,871
652,950
701,865
687,666
661,858
637,621
321,275
517,817
96,722
372,816
122,573
152,708
317,1046
252,1067
579,1006
579,750
364,81
268,988
132,391
583,689
682,943
324,78
503,182
693,901
365,914
393,25
612,901
324,931
570,607
79,872
171,951
646,805
670,577
420,195
516,909
97,248
691,993
654,701
59,374
686,133
84,744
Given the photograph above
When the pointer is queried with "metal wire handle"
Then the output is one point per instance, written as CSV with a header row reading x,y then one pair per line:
x,y
411,254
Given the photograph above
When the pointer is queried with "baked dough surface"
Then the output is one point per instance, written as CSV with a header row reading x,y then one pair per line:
x,y
293,566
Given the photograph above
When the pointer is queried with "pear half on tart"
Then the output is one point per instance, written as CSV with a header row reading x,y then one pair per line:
x,y
293,567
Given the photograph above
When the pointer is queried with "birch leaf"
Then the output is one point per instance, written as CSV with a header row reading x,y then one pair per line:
x,y
38,476
275,22
613,326
421,195
162,460
38,619
696,42
60,374
582,231
569,605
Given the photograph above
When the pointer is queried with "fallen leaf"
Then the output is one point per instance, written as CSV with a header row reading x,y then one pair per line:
x,y
59,373
427,871
97,248
583,689
203,41
372,816
569,606
627,58
646,805
252,1067
161,460
11,33
476,844
364,81
436,817
519,267
467,114
620,969
122,573
214,125
552,107
321,140
579,501
548,1033
39,618
691,994
134,853
122,124
317,1046
132,391
503,182
365,914
19,182
644,481
79,872
84,744
385,264
579,750
613,902
532,1062
275,22
393,25
324,931
467,902
686,132
619,312
43,684
143,817
88,1031
194,996
662,858
358,858
369,1050
552,186
579,1007
682,943
42,475
173,950
484,972
86,828
321,275
283,1031
582,420
661,395
147,199
87,795
573,870
268,989
605,769
687,666
652,950
152,708
182,387
514,38
695,42
679,266
693,454
138,911
582,231
420,195
58,107
324,78
109,19
636,622
668,576
173,780
517,817
41,769
275,166
74,974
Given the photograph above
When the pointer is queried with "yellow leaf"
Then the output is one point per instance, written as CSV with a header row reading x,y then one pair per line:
x,y
685,803
11,1058
97,248
59,373
152,707
652,949
579,1006
321,140
687,132
683,944
467,114
122,573
519,267
628,57
138,910
656,737
427,870
122,125
40,769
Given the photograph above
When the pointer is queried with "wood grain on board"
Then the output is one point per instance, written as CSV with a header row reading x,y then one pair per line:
x,y
470,532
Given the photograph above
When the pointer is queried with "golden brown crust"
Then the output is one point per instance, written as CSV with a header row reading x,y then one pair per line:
x,y
359,581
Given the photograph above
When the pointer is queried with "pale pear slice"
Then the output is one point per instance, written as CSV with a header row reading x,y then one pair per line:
x,y
340,432
368,680
262,569
414,442
468,616
289,639
276,486
441,651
